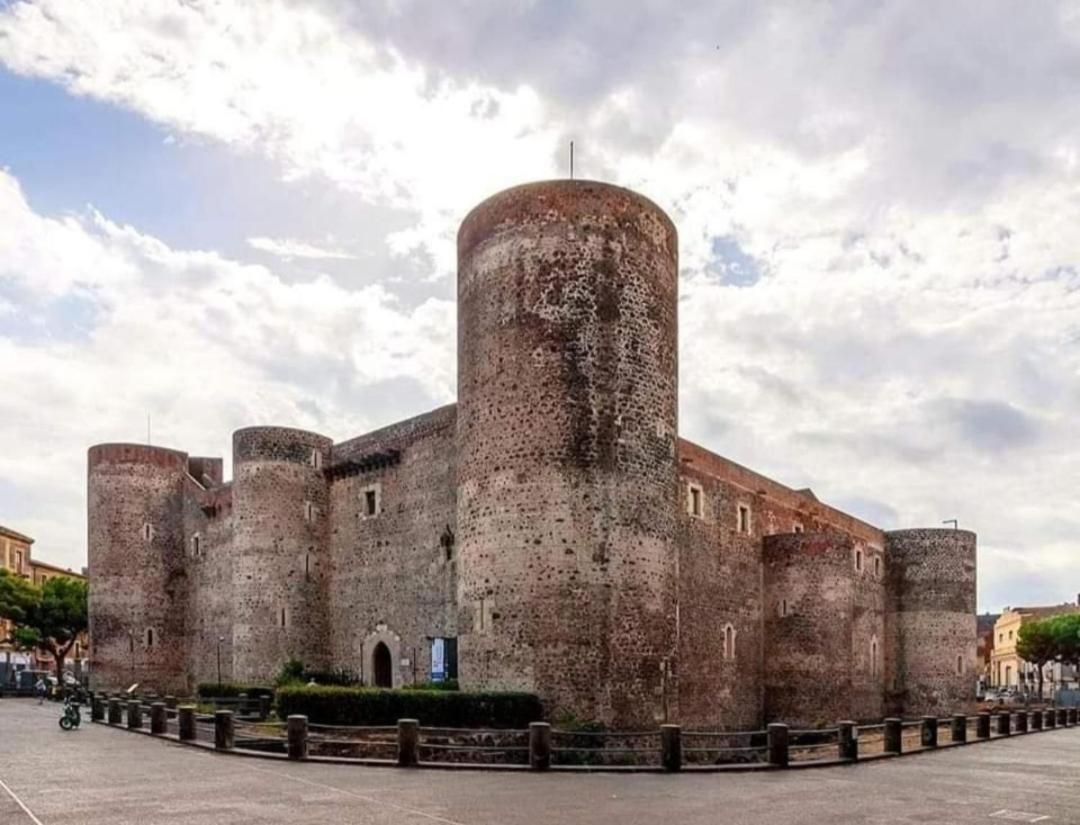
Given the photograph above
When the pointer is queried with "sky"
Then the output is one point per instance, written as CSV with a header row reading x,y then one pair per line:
x,y
220,214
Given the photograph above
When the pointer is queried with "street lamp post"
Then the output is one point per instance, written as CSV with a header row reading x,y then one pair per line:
x,y
219,641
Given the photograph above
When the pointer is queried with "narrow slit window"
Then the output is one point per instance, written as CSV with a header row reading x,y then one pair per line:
x,y
858,560
959,665
693,502
309,511
148,531
196,545
873,657
307,566
729,642
149,637
316,459
783,607
744,519
371,503
282,617
877,566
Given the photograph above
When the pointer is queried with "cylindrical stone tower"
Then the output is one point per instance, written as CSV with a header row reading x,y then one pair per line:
x,y
809,589
138,580
932,579
567,420
280,518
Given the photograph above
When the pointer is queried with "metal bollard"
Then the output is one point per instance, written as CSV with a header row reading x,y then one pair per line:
x,y
1036,720
928,732
297,730
778,744
408,742
1022,722
1004,723
1061,718
116,712
170,702
848,739
959,727
186,719
1049,718
242,705
134,714
97,709
671,747
894,735
157,718
264,707
539,746
224,730
982,725
1072,716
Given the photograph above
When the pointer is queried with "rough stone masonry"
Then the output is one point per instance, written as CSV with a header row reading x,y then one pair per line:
x,y
551,527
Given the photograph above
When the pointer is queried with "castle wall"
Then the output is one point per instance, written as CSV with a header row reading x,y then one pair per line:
x,y
211,614
566,435
138,583
932,580
280,562
395,573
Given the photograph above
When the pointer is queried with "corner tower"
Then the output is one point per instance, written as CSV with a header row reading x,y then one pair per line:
x,y
567,421
138,579
280,524
932,584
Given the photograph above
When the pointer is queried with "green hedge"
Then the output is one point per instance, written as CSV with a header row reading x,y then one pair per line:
x,y
226,690
327,705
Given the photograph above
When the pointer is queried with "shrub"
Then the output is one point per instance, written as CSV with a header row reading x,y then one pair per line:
x,y
329,705
291,673
212,690
446,684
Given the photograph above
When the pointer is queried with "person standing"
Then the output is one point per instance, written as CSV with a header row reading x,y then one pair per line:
x,y
40,689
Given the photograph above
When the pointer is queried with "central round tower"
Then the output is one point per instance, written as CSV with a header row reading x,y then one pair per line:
x,y
567,420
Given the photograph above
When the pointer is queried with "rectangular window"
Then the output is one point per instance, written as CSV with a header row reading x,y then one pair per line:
x,y
282,617
858,560
196,545
370,503
744,519
877,566
309,511
798,527
694,500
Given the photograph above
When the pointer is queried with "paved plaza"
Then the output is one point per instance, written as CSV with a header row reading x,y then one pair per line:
x,y
100,775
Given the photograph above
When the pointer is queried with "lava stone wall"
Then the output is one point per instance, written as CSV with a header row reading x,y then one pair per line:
x,y
932,579
394,575
137,583
280,560
208,515
567,494
808,664
721,582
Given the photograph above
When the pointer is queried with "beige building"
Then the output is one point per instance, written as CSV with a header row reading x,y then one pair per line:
x,y
1007,669
15,555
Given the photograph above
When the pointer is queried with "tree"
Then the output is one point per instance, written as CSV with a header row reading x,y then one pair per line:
x,y
17,596
50,618
1065,631
1035,643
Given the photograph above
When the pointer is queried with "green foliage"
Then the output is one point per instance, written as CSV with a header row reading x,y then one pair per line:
x,y
1065,632
331,705
1035,643
446,684
50,618
17,596
229,690
291,673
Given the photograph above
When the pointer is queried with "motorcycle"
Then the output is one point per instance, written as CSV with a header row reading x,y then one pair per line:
x,y
72,717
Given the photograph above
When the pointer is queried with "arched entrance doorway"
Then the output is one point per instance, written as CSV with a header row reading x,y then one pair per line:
x,y
384,674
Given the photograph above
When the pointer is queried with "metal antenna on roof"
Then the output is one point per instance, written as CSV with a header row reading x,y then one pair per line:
x,y
955,524
571,160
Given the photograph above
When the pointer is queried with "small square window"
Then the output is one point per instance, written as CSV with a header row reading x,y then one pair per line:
x,y
694,503
744,518
798,528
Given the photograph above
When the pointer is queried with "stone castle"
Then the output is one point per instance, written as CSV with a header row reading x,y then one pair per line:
x,y
548,532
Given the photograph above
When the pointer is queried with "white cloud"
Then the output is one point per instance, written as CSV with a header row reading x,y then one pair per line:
x,y
289,248
203,343
876,212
